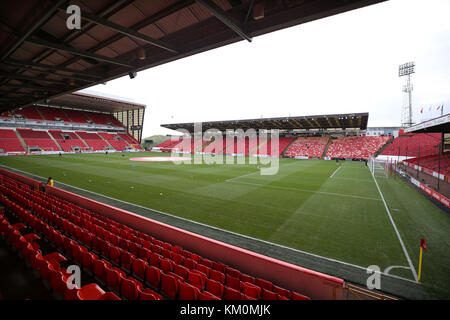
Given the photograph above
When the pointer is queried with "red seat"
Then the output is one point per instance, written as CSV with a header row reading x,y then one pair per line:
x,y
207,263
190,264
89,260
298,296
197,279
233,282
232,294
219,267
205,295
281,291
90,292
250,290
126,259
214,287
181,271
114,255
269,295
153,276
129,289
144,253
247,278
114,277
169,285
187,292
108,296
139,266
166,265
203,269
100,270
178,258
155,260
264,284
217,275
148,294
233,272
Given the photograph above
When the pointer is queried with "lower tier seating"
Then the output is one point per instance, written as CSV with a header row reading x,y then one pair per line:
x,y
356,147
124,262
307,147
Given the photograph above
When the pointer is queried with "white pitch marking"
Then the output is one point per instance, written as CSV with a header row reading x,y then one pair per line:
x,y
413,270
388,269
331,177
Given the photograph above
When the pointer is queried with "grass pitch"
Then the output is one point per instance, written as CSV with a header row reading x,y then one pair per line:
x,y
320,207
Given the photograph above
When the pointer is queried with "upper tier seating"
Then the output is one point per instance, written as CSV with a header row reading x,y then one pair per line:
x,y
129,263
9,141
29,113
77,116
408,145
307,147
356,147
54,114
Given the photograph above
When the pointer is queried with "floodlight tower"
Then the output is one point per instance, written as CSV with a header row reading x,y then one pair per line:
x,y
407,69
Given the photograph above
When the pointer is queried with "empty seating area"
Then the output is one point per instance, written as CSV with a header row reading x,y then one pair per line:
x,y
408,145
307,147
29,113
433,162
9,141
93,140
116,141
170,143
123,263
356,147
54,114
38,139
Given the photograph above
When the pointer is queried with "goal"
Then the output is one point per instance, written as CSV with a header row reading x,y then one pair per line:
x,y
378,168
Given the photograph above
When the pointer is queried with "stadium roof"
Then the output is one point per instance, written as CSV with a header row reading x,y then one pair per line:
x,y
334,121
40,58
439,124
82,100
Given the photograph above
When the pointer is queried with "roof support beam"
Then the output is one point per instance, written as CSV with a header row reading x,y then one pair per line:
x,y
29,87
127,32
224,17
21,77
50,67
48,13
77,52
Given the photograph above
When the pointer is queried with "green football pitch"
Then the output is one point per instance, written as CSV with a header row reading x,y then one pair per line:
x,y
334,210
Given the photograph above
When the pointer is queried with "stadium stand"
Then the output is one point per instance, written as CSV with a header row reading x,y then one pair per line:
x,y
9,141
434,163
54,114
127,263
38,139
29,113
77,116
93,140
356,147
307,147
115,140
408,145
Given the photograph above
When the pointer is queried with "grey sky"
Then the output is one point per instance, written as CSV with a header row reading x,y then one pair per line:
x,y
345,63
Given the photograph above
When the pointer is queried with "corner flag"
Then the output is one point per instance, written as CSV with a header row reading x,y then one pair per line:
x,y
423,246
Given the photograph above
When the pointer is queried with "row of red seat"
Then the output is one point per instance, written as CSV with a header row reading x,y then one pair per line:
x,y
414,145
307,147
48,266
169,269
65,115
356,147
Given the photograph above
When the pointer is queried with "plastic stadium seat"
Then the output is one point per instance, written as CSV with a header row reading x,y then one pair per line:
x,y
114,255
232,294
187,292
214,287
217,275
269,295
153,276
203,269
298,296
205,295
282,292
233,272
250,290
166,265
144,253
129,289
90,292
147,294
189,263
155,260
247,278
126,260
134,248
139,266
265,284
169,285
178,258
108,296
207,263
219,267
233,282
88,260
100,270
181,271
197,279
113,278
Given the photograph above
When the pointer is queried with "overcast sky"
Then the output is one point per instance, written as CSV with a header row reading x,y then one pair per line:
x,y
340,64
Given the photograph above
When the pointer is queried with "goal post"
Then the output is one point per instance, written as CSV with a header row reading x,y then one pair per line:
x,y
378,168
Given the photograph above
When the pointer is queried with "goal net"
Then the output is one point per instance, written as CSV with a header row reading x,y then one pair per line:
x,y
378,168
